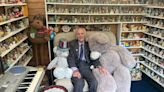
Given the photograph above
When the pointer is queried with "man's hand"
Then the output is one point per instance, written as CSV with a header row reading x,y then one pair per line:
x,y
102,70
76,74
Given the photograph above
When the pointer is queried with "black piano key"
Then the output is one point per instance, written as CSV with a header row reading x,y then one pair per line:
x,y
32,72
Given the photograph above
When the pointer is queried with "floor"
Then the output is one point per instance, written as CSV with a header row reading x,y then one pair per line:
x,y
146,85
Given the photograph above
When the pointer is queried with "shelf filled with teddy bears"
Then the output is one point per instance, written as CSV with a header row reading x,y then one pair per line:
x,y
153,75
146,44
68,14
12,42
153,44
93,13
131,37
13,37
13,18
153,66
99,2
98,15
13,49
154,13
12,11
153,54
15,55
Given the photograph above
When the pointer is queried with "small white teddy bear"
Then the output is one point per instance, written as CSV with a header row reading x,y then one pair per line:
x,y
60,65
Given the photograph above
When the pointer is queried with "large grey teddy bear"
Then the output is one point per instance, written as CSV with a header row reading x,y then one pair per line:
x,y
117,60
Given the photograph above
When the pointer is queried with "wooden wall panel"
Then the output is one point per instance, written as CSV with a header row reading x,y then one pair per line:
x,y
36,11
36,7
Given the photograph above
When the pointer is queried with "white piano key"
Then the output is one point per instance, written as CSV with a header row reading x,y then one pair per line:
x,y
28,77
22,87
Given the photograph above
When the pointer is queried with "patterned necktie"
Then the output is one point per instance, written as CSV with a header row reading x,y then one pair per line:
x,y
81,52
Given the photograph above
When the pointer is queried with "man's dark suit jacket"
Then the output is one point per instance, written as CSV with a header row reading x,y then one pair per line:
x,y
73,60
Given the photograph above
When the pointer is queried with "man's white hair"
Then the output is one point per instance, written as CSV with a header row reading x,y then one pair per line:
x,y
80,28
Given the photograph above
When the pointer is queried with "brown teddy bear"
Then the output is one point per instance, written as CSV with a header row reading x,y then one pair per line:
x,y
38,32
39,36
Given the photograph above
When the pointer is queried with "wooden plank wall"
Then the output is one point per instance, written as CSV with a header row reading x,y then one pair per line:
x,y
35,7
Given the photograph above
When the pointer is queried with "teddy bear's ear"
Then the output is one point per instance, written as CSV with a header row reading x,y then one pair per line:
x,y
39,19
101,38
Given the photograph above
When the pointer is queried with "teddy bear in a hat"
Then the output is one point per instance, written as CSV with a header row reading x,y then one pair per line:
x,y
59,63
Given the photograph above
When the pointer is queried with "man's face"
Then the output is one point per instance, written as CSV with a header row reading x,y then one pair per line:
x,y
81,35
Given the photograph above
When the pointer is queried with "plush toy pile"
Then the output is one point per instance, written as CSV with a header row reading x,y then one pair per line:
x,y
60,65
117,60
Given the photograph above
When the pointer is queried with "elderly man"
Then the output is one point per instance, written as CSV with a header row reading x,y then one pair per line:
x,y
79,61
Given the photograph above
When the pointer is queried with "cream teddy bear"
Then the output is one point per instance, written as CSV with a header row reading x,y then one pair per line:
x,y
117,60
60,64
